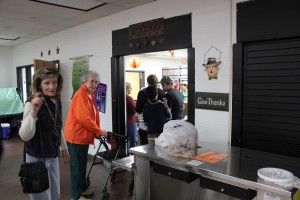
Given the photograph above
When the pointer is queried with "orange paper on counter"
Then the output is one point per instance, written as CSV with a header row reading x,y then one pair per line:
x,y
210,157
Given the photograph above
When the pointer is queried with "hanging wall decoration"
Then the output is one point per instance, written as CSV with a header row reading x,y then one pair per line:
x,y
134,62
80,67
49,51
212,60
57,50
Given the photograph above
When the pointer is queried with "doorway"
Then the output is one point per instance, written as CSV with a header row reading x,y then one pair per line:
x,y
175,35
137,80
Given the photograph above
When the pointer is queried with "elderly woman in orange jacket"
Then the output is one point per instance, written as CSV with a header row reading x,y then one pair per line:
x,y
82,126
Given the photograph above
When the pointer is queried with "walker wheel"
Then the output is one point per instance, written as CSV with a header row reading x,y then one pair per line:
x,y
105,196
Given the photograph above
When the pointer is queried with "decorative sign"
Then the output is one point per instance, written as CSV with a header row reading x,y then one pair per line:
x,y
212,101
147,29
146,33
100,93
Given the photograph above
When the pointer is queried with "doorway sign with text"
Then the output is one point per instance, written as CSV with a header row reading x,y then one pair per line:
x,y
212,101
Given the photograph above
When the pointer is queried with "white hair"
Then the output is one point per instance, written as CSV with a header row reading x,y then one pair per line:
x,y
84,78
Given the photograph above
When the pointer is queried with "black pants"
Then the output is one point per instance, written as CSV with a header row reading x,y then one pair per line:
x,y
143,137
78,162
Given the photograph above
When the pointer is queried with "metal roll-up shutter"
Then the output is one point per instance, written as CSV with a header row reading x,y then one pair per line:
x,y
271,99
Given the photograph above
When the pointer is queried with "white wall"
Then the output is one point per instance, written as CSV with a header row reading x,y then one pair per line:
x,y
6,68
211,25
152,65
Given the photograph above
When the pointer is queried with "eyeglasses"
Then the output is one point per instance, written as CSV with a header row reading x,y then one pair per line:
x,y
93,82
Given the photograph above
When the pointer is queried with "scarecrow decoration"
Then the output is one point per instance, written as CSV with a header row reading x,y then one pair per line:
x,y
212,65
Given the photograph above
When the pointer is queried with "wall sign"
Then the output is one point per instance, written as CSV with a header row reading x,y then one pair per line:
x,y
154,35
212,101
100,94
146,29
146,33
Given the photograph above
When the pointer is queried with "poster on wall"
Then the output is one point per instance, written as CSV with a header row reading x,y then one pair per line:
x,y
100,95
80,67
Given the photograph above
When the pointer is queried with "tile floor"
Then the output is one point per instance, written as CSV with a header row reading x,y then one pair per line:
x,y
10,187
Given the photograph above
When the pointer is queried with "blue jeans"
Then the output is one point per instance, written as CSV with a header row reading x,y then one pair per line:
x,y
53,192
132,134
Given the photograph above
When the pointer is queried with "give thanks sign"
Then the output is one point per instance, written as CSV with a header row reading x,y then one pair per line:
x,y
212,101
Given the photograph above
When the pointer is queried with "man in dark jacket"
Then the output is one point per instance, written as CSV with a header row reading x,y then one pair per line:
x,y
174,97
142,98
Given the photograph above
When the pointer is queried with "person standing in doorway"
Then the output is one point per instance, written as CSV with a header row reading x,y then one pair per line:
x,y
42,121
142,99
82,127
184,90
174,97
156,114
131,117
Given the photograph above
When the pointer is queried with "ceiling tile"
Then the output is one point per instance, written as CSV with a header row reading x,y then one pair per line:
x,y
31,20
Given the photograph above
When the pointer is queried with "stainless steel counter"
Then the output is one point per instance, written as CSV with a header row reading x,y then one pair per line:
x,y
239,169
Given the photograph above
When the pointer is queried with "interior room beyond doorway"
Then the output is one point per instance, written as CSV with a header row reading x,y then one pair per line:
x,y
172,63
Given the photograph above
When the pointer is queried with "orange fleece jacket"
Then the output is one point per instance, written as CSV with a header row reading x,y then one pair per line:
x,y
82,124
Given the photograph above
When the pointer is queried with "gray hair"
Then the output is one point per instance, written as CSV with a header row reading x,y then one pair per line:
x,y
84,78
128,85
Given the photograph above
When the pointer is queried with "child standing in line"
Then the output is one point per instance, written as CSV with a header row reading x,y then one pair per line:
x,y
156,113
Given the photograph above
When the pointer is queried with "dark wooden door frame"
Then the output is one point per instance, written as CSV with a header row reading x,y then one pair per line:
x,y
177,35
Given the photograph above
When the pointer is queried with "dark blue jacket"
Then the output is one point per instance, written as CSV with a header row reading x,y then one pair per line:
x,y
156,114
51,138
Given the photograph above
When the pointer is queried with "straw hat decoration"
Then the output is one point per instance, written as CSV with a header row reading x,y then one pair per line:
x,y
211,62
211,67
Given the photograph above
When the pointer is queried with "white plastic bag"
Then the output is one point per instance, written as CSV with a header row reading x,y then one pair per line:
x,y
180,137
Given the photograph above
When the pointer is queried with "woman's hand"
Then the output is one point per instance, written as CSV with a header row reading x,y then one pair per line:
x,y
36,102
66,155
104,133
